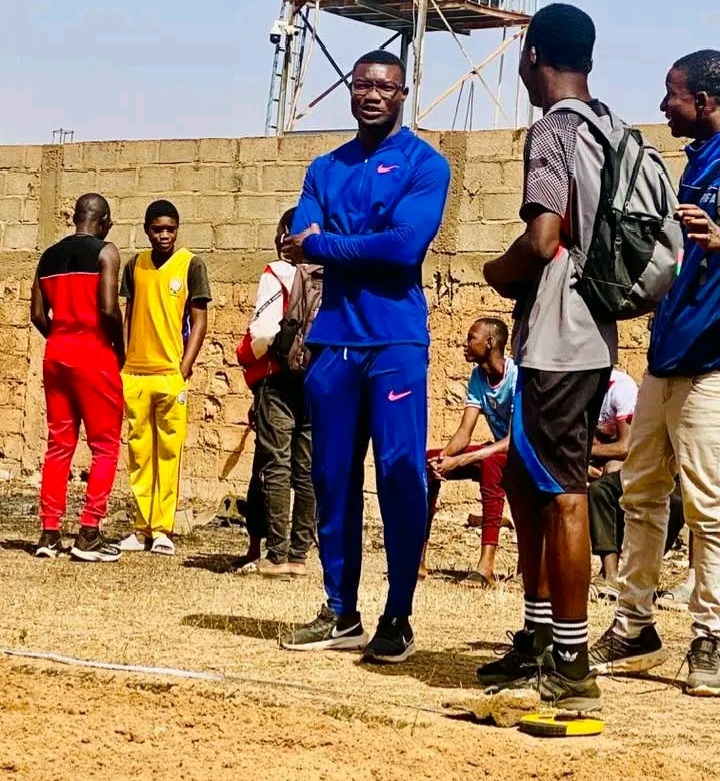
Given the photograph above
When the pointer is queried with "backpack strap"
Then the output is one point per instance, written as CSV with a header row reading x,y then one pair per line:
x,y
581,108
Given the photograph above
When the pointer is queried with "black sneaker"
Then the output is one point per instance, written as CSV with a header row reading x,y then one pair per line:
x,y
613,653
392,643
520,662
327,632
704,660
50,545
557,691
90,545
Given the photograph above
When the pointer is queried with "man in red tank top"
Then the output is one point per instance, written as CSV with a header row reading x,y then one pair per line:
x,y
75,307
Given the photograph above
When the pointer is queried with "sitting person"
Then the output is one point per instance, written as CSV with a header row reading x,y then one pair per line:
x,y
610,449
490,392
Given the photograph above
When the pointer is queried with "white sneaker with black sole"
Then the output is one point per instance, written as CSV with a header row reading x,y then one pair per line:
x,y
328,632
392,643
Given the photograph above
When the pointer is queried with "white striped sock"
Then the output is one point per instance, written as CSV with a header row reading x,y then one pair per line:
x,y
570,632
538,611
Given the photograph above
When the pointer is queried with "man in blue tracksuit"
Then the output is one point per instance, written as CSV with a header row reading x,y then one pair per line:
x,y
676,428
368,213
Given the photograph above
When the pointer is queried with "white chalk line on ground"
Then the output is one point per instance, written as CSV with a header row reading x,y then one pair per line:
x,y
175,672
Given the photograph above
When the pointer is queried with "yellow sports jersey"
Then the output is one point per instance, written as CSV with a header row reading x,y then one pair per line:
x,y
159,310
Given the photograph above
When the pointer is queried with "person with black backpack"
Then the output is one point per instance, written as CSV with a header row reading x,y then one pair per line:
x,y
599,245
676,429
273,358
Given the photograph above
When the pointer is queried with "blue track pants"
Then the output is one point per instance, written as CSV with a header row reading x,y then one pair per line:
x,y
358,395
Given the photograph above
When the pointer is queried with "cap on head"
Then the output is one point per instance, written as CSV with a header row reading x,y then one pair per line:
x,y
91,208
382,57
161,209
563,37
702,69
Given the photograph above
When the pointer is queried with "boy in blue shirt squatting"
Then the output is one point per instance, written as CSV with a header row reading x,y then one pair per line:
x,y
368,213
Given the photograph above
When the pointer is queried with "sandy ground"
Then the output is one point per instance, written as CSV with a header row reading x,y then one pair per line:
x,y
292,716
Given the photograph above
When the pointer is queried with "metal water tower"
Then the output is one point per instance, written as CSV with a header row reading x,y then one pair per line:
x,y
295,36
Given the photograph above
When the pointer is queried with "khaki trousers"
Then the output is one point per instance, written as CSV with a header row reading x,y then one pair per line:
x,y
675,430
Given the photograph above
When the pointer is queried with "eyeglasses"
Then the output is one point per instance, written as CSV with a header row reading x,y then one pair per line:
x,y
386,89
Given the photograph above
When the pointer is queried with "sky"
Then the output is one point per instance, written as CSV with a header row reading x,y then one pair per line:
x,y
174,69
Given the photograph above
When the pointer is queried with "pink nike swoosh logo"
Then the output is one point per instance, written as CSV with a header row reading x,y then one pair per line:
x,y
392,396
385,169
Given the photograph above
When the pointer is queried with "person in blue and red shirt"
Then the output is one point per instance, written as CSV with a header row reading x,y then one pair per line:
x,y
491,392
676,428
368,213
75,307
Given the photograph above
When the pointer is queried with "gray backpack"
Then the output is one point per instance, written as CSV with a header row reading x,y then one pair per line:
x,y
636,242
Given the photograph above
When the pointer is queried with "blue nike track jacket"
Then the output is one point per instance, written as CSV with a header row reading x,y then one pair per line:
x,y
378,213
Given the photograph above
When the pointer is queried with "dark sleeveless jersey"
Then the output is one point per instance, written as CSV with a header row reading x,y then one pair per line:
x,y
69,275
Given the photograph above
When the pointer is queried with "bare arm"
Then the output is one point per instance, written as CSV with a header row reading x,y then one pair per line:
x,y
501,446
198,329
39,310
128,320
617,450
528,254
461,438
111,317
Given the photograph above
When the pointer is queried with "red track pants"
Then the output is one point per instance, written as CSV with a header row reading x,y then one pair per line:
x,y
489,474
93,397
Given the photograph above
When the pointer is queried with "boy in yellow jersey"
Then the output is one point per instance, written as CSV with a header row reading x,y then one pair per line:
x,y
167,292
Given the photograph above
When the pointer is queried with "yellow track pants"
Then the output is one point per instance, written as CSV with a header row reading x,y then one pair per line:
x,y
156,409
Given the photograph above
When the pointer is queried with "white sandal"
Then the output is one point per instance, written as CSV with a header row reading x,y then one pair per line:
x,y
164,545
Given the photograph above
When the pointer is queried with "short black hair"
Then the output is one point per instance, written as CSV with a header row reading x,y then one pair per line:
x,y
91,207
497,328
161,209
563,36
382,57
286,220
702,69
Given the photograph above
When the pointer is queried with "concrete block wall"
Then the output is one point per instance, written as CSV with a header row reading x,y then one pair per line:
x,y
230,193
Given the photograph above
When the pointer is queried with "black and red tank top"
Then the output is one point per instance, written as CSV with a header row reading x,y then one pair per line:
x,y
69,276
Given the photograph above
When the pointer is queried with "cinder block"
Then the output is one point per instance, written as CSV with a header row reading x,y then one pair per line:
x,y
12,156
73,156
137,152
121,235
483,177
33,157
76,183
495,144
218,150
282,178
196,236
216,208
249,179
305,148
101,154
229,179
257,207
31,210
186,151
235,236
20,237
500,207
257,150
132,208
633,334
11,209
513,176
481,237
117,182
12,448
234,410
155,179
194,178
24,184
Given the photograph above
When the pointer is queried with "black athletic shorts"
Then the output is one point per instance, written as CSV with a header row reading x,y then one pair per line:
x,y
554,420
